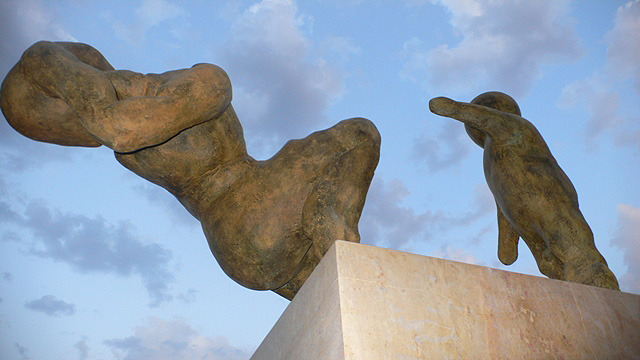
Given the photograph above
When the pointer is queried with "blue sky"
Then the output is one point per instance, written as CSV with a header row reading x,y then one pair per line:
x,y
96,263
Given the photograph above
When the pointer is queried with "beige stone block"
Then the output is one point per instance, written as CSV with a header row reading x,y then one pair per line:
x,y
365,302
310,326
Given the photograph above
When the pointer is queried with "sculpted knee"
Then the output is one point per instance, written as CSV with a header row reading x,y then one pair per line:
x,y
355,131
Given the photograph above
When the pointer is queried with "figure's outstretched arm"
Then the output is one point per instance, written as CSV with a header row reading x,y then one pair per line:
x,y
74,75
495,123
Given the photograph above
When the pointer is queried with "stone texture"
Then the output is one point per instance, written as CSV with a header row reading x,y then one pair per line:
x,y
535,198
268,223
364,302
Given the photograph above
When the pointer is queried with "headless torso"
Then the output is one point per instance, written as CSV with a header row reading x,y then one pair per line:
x,y
268,223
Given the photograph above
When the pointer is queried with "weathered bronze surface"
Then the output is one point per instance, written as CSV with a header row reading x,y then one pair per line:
x,y
535,199
268,223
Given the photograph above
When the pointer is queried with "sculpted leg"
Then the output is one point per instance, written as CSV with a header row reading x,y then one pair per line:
x,y
547,262
332,210
583,263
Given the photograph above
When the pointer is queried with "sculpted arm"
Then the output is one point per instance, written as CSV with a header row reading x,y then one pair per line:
x,y
499,125
507,240
75,80
185,98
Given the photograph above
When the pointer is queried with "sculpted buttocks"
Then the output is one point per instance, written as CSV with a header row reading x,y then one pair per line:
x,y
535,198
268,223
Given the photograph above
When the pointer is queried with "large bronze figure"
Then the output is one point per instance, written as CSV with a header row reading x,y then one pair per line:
x,y
535,198
268,223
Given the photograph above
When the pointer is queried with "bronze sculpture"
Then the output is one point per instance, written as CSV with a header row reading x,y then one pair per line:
x,y
268,223
535,198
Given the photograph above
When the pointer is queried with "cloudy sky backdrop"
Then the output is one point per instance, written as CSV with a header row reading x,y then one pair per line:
x,y
96,263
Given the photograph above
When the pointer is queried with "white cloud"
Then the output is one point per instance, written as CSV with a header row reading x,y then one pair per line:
x,y
504,44
600,93
603,104
386,222
624,43
83,349
627,238
444,150
172,340
94,245
271,63
23,22
51,306
149,14
455,254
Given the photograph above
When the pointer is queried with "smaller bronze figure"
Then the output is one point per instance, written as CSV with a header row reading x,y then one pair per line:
x,y
535,199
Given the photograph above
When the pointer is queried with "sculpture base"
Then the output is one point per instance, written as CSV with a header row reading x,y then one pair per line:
x,y
365,302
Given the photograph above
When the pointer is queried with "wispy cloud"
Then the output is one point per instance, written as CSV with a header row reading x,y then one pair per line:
x,y
24,22
603,104
94,245
342,48
446,149
504,45
387,222
188,297
22,351
456,254
150,14
482,204
623,51
600,92
83,349
172,340
281,89
158,196
627,238
51,306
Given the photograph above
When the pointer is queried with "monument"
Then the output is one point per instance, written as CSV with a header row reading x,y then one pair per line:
x,y
268,223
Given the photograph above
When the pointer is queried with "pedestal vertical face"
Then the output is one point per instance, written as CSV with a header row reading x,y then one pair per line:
x,y
364,302
310,327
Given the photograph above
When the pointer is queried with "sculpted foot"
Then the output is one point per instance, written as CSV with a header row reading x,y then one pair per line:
x,y
591,273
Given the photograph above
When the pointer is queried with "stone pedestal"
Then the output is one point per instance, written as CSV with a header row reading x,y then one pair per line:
x,y
364,302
